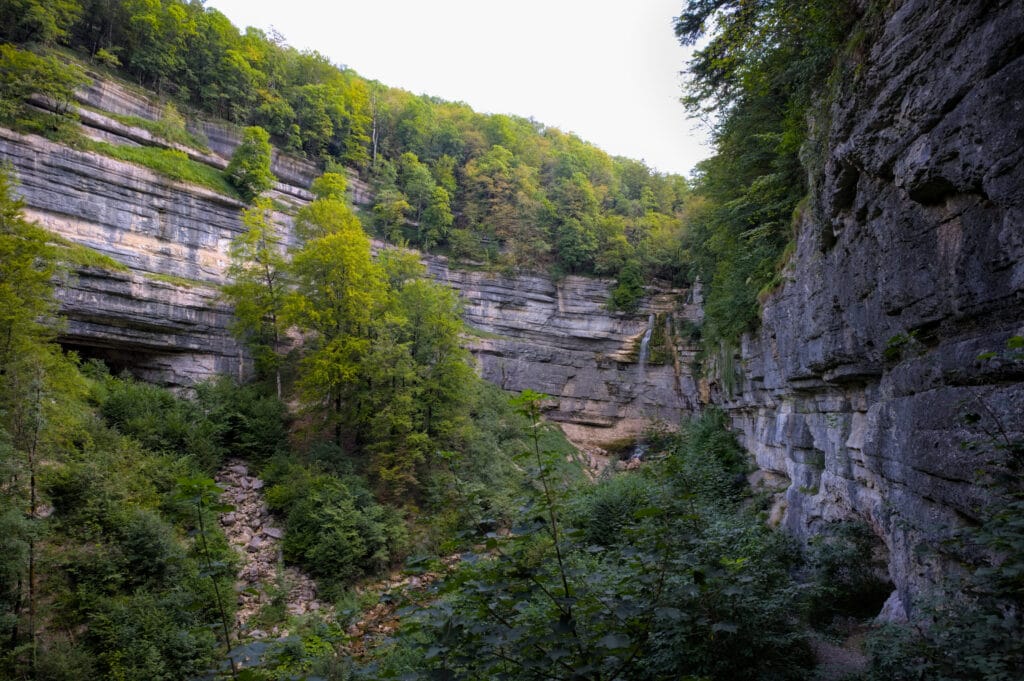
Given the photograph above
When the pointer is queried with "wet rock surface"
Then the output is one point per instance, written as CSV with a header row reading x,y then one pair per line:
x,y
560,338
252,532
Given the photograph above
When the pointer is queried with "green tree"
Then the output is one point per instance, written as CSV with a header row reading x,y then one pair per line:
x,y
23,74
37,21
330,186
258,288
325,216
443,171
35,380
761,65
338,293
249,169
27,267
416,183
391,210
437,220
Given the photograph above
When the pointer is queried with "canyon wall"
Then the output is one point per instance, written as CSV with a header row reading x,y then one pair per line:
x,y
863,394
161,315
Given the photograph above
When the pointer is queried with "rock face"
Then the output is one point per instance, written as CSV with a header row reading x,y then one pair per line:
x,y
162,317
560,339
862,396
859,389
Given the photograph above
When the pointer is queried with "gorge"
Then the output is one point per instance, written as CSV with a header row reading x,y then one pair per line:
x,y
878,360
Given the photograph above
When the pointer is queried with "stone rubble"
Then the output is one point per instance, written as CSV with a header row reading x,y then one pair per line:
x,y
251,532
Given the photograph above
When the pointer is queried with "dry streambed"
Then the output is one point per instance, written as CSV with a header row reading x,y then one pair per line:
x,y
262,579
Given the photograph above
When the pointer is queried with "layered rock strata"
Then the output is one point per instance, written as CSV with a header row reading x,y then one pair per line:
x,y
863,393
162,317
559,338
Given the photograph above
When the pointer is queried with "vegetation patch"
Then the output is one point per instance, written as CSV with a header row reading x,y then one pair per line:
x,y
183,282
170,163
170,127
80,255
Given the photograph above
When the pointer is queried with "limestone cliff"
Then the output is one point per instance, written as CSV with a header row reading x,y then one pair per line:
x,y
858,388
560,339
163,319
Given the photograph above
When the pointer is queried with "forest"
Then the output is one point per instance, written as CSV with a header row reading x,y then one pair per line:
x,y
378,449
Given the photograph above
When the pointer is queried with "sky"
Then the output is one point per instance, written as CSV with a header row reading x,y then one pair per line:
x,y
606,70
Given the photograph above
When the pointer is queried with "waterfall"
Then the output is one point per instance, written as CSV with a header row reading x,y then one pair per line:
x,y
644,345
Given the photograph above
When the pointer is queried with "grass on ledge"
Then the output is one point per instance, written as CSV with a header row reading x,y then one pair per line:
x,y
183,282
165,129
170,163
80,255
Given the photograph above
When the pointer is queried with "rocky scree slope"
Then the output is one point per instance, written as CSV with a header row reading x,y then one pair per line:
x,y
856,395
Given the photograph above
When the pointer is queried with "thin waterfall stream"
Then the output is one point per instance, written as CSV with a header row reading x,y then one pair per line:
x,y
645,343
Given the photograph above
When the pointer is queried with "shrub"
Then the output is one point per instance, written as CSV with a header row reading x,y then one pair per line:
x,y
706,462
610,506
335,529
848,575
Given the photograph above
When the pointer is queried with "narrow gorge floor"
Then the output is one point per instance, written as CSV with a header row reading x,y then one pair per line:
x,y
263,581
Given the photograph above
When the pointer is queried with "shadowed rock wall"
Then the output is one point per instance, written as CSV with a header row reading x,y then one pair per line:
x,y
857,390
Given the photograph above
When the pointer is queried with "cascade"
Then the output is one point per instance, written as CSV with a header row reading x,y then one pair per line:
x,y
644,345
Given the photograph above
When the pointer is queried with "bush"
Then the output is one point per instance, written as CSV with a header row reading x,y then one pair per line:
x,y
149,637
23,74
707,464
629,288
335,528
163,423
610,506
224,418
848,574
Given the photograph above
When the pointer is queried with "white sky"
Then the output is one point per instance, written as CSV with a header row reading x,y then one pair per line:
x,y
607,70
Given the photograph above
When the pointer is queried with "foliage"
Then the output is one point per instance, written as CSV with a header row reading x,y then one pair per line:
x,y
249,169
497,189
258,287
683,584
334,526
170,127
38,21
222,418
80,255
629,289
23,74
759,69
848,575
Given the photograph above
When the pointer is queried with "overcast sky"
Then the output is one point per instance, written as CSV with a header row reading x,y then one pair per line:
x,y
607,70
